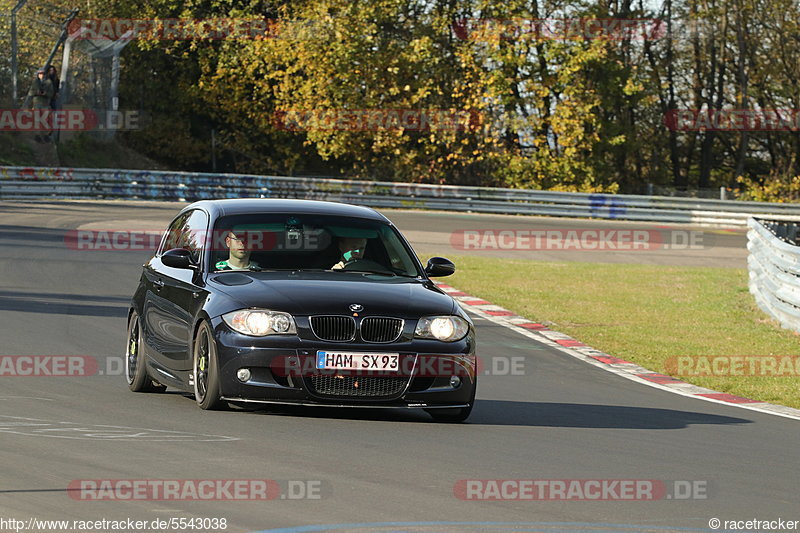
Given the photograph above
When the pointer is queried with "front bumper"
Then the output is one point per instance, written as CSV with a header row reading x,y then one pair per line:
x,y
282,371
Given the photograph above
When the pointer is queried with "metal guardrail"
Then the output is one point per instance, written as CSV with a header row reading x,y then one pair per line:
x,y
774,266
83,183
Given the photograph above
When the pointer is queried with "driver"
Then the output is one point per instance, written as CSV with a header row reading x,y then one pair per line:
x,y
238,254
352,248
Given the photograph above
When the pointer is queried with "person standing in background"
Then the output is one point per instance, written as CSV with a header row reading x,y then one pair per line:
x,y
52,75
41,92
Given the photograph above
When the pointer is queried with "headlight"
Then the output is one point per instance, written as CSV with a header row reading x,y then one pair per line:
x,y
260,322
443,328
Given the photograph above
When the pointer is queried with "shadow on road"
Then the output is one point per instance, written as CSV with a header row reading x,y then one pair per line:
x,y
31,236
578,415
63,304
534,414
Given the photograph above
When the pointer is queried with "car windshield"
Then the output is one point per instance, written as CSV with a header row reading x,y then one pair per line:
x,y
272,241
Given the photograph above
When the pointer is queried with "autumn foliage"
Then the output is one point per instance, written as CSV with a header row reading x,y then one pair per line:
x,y
555,95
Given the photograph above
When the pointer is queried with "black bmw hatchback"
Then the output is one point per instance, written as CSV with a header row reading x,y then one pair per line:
x,y
298,302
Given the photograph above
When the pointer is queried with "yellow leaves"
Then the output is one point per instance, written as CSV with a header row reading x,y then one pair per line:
x,y
632,87
774,188
367,55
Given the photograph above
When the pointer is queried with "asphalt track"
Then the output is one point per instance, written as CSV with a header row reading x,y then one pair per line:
x,y
560,419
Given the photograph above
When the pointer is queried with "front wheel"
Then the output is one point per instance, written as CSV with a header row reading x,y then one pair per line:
x,y
206,369
135,366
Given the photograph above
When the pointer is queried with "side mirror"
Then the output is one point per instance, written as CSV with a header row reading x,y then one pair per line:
x,y
439,267
177,258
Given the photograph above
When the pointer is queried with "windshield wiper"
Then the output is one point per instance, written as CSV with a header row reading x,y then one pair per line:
x,y
380,272
240,270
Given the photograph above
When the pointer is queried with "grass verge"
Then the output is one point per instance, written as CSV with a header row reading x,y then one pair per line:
x,y
12,151
75,150
645,314
90,151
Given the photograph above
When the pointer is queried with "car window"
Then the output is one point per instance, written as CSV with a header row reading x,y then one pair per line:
x,y
310,242
188,231
398,257
193,240
170,239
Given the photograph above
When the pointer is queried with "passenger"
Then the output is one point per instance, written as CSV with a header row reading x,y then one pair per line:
x,y
352,248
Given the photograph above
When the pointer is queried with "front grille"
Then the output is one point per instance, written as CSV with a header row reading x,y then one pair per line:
x,y
333,328
357,386
381,329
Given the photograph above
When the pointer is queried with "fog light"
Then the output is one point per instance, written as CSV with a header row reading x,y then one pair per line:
x,y
455,381
244,374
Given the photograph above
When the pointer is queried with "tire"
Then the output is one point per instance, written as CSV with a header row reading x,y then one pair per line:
x,y
454,415
205,368
135,365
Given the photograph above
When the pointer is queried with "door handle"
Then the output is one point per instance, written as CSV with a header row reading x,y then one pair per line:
x,y
159,284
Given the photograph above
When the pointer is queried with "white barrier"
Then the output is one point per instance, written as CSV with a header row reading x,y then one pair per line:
x,y
774,267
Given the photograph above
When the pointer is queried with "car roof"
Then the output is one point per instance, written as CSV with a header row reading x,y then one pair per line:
x,y
243,206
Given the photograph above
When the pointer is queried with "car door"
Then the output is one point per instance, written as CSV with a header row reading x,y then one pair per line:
x,y
176,295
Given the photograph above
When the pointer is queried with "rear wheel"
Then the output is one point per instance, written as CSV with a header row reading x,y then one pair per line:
x,y
135,366
206,369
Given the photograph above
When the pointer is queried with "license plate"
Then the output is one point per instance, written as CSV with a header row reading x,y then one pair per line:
x,y
386,362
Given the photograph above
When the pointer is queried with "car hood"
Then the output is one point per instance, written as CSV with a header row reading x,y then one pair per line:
x,y
304,293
